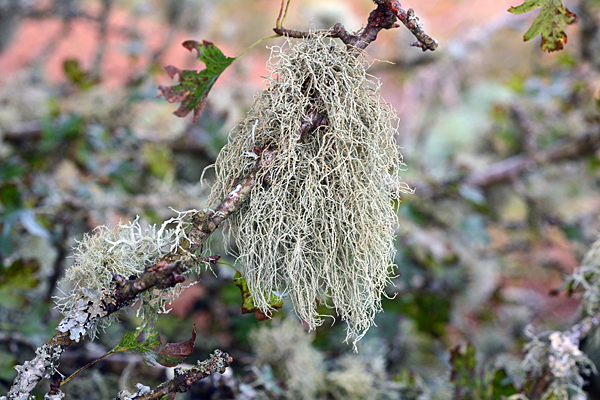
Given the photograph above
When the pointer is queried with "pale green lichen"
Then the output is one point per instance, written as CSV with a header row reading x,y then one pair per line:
x,y
287,348
320,224
559,354
125,251
286,358
587,278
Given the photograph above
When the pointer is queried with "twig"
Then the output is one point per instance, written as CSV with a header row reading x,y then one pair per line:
x,y
383,17
57,268
102,39
50,47
184,379
581,330
410,20
506,169
525,125
204,224
282,14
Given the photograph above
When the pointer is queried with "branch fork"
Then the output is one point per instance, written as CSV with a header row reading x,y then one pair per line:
x,y
383,17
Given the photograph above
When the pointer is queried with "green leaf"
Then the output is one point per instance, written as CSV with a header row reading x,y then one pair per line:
x,y
463,367
159,159
502,384
16,281
144,341
275,302
475,383
7,363
10,198
549,23
194,86
77,75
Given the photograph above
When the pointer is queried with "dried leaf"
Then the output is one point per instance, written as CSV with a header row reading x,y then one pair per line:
x,y
174,353
194,86
549,23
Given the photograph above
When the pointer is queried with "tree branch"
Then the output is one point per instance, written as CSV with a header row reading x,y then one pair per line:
x,y
510,168
164,274
513,166
383,17
184,379
411,21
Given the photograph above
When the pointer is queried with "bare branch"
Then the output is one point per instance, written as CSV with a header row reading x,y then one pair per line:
x,y
383,17
410,20
102,38
506,169
510,168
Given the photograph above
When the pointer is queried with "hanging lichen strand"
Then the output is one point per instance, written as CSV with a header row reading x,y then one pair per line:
x,y
319,225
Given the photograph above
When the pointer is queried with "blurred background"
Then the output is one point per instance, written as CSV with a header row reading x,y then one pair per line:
x,y
501,142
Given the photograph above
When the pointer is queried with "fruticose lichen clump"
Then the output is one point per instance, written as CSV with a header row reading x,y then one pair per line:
x,y
125,250
319,225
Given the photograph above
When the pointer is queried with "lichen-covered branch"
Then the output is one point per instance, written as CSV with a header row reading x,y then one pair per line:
x,y
31,372
163,274
581,330
74,325
205,224
184,379
554,362
383,17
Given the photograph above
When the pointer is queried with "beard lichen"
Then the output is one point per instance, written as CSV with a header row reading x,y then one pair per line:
x,y
320,223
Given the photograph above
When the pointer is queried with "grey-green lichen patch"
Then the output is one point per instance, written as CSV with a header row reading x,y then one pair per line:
x,y
320,223
559,354
125,251
587,278
287,348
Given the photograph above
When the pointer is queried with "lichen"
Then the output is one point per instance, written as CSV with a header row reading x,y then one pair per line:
x,y
124,251
559,354
287,348
320,223
587,278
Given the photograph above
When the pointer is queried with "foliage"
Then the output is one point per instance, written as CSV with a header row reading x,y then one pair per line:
x,y
16,279
275,302
550,22
475,260
473,383
145,342
194,86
